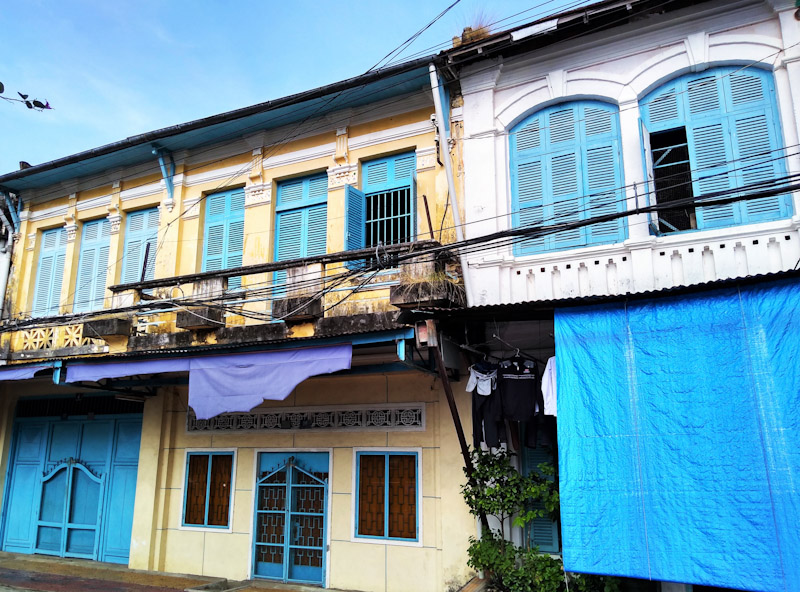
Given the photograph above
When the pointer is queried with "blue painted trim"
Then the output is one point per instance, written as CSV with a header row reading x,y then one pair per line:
x,y
444,95
417,485
210,454
167,175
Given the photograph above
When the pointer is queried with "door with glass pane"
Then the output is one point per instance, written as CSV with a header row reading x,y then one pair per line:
x,y
291,516
69,511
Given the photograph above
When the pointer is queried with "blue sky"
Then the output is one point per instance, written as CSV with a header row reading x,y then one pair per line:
x,y
112,68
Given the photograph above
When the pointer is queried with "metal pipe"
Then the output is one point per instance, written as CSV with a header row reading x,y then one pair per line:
x,y
448,168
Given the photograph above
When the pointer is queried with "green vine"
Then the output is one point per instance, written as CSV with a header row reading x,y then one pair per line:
x,y
500,491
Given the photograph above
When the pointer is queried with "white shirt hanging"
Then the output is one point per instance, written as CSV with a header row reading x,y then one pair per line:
x,y
549,387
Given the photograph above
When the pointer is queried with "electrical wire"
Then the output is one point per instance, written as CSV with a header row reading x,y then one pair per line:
x,y
274,147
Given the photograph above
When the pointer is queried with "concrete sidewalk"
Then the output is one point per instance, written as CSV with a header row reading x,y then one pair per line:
x,y
39,573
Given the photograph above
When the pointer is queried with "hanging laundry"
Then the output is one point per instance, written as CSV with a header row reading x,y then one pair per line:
x,y
486,407
484,376
549,387
519,387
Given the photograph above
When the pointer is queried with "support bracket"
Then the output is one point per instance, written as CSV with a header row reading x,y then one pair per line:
x,y
167,164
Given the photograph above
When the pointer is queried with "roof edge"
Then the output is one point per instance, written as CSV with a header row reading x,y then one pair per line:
x,y
166,132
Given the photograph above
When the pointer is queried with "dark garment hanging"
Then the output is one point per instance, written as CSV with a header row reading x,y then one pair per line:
x,y
486,420
520,389
487,411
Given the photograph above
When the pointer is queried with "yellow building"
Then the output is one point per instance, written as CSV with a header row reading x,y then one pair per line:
x,y
123,321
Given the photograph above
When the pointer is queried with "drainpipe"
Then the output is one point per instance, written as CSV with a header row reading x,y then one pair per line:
x,y
5,266
448,167
7,247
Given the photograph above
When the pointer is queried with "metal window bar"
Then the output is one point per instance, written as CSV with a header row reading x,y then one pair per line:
x,y
389,217
672,176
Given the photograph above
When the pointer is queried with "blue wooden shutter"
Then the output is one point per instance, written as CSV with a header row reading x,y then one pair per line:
x,y
754,135
92,266
709,149
301,222
235,239
731,123
355,204
566,167
224,233
543,532
527,182
288,245
602,181
50,272
141,229
316,226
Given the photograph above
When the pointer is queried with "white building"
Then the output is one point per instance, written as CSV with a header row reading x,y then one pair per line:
x,y
719,80
675,124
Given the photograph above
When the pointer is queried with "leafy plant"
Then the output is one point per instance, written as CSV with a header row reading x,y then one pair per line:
x,y
499,490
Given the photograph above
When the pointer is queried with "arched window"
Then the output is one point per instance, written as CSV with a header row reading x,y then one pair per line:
x,y
565,167
712,133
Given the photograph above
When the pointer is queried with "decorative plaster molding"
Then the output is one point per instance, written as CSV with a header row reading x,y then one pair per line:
x,y
58,212
95,202
229,173
340,157
192,209
258,165
72,232
31,244
141,191
697,50
342,175
321,151
386,417
25,215
395,133
426,158
257,195
114,218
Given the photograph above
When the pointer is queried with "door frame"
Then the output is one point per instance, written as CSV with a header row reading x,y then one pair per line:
x,y
289,452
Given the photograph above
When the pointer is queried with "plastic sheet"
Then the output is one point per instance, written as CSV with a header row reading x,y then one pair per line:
x,y
679,448
230,383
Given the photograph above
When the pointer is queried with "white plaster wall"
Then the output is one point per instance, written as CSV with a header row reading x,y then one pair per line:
x,y
621,66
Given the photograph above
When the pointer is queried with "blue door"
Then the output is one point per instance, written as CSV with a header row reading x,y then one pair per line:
x,y
71,485
291,517
69,511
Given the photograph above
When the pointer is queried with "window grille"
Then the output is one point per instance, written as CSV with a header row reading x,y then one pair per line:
x,y
389,217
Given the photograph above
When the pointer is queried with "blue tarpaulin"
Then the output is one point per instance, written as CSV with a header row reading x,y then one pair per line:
x,y
679,437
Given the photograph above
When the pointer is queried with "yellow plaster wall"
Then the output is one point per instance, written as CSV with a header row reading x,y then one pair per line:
x,y
180,236
440,562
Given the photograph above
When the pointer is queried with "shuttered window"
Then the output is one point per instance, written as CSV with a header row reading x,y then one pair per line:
x,y
731,123
90,285
542,530
50,272
207,495
141,230
389,206
566,166
301,221
387,495
224,233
